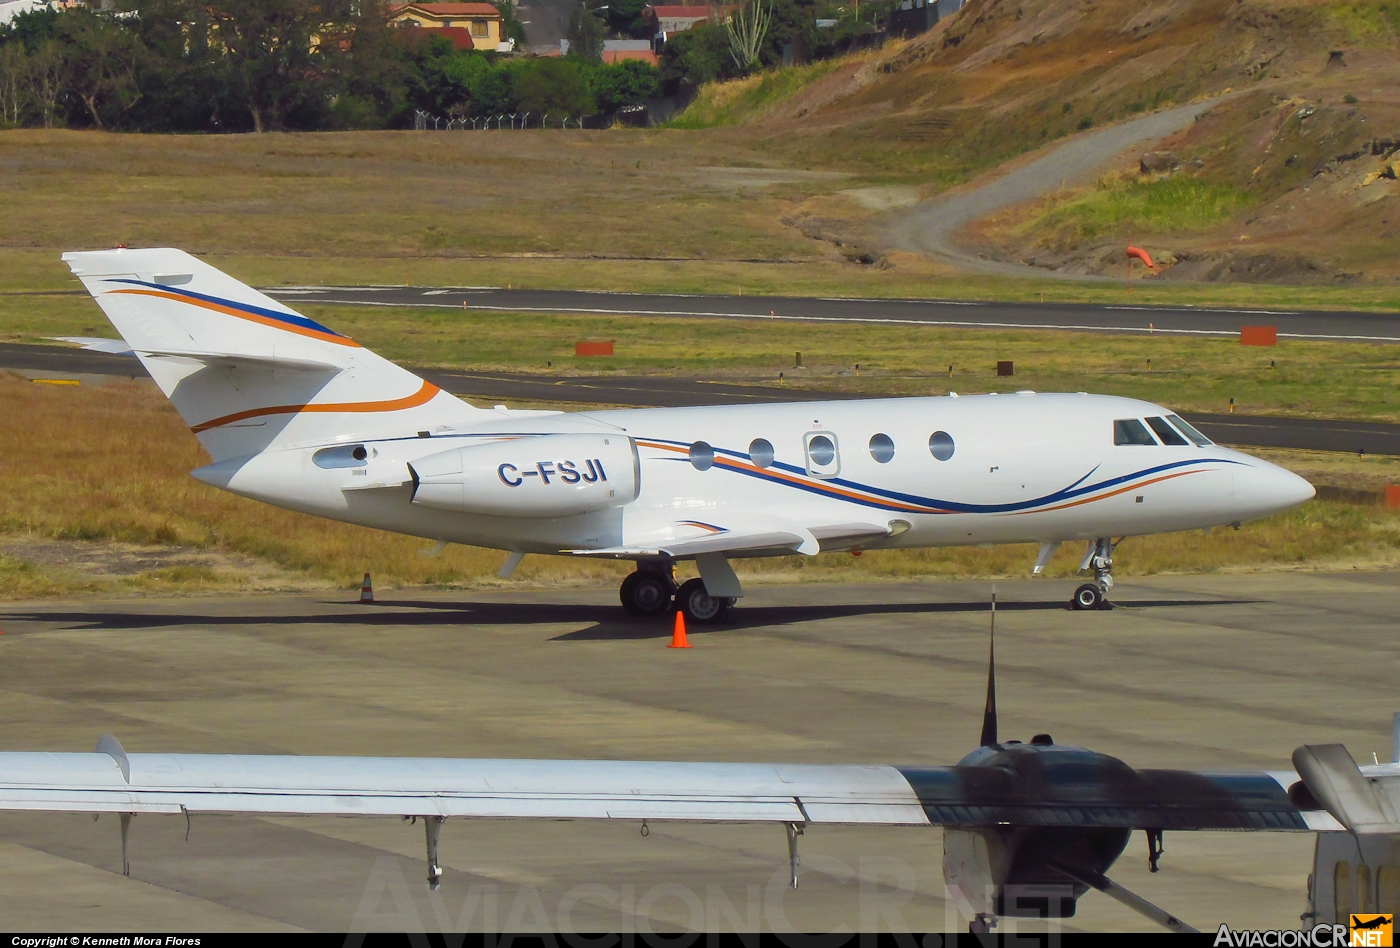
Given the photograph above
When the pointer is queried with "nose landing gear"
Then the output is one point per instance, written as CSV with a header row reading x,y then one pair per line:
x,y
1100,557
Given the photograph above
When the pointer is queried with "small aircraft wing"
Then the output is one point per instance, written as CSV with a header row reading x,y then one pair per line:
x,y
114,782
111,781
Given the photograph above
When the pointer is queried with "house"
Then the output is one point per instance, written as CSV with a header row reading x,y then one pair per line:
x,y
615,51
467,25
662,21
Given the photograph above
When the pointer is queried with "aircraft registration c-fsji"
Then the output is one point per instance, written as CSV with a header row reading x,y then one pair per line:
x,y
297,415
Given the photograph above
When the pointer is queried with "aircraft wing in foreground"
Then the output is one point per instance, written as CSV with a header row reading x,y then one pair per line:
x,y
1028,827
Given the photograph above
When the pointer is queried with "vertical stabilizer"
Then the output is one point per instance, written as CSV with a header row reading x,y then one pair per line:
x,y
246,372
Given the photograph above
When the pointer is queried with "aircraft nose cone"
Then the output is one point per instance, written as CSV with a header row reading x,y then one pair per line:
x,y
1268,489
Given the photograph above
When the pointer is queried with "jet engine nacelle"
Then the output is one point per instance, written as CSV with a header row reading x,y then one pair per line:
x,y
560,475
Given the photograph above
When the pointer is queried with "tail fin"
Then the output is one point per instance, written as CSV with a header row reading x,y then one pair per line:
x,y
245,372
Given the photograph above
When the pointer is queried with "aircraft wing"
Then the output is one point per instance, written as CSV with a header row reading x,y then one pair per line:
x,y
760,533
114,782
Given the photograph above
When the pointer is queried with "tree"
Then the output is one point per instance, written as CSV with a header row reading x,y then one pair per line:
x,y
630,82
552,87
46,73
625,18
696,56
273,50
14,91
511,27
747,29
585,33
104,62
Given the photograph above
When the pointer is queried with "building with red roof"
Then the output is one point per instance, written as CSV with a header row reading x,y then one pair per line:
x,y
467,25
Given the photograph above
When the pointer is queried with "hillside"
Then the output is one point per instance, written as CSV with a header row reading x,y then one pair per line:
x,y
1276,183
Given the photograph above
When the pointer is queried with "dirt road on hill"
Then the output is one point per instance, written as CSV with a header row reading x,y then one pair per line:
x,y
929,228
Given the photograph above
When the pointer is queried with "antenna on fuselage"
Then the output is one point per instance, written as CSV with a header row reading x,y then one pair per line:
x,y
989,714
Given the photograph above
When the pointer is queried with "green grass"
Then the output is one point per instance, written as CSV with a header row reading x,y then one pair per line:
x,y
1368,23
740,100
1174,204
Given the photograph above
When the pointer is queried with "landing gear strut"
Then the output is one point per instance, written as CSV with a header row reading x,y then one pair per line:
x,y
648,591
1100,557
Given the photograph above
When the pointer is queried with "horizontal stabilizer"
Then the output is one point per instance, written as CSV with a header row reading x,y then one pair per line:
x,y
235,359
1357,801
97,344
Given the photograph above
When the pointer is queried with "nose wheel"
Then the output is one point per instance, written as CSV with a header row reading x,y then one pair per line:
x,y
1100,557
1088,596
647,592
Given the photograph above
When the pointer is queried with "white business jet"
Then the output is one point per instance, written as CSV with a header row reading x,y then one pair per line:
x,y
297,415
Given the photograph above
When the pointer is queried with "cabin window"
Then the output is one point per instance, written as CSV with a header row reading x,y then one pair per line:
x,y
702,456
882,448
761,452
940,445
478,27
1165,432
821,454
1199,439
1131,431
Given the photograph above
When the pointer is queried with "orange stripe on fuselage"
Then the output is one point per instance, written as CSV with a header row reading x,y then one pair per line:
x,y
1112,493
420,397
252,317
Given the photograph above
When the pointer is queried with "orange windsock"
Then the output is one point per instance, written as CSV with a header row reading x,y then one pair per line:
x,y
678,639
1141,255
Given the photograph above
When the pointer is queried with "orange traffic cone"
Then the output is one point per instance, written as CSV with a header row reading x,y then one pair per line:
x,y
366,590
678,639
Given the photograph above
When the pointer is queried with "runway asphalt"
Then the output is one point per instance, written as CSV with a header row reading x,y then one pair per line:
x,y
1296,324
1210,672
1243,430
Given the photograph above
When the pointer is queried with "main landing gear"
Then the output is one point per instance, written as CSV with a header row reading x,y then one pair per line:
x,y
652,591
648,592
1100,557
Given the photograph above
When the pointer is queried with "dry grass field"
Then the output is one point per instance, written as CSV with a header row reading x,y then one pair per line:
x,y
704,211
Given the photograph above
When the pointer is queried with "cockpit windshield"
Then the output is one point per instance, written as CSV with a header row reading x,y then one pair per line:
x,y
1196,437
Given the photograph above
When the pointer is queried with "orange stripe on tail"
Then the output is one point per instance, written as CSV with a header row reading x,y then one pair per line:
x,y
241,314
420,397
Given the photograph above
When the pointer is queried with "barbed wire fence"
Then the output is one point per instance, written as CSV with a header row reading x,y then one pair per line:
x,y
426,121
